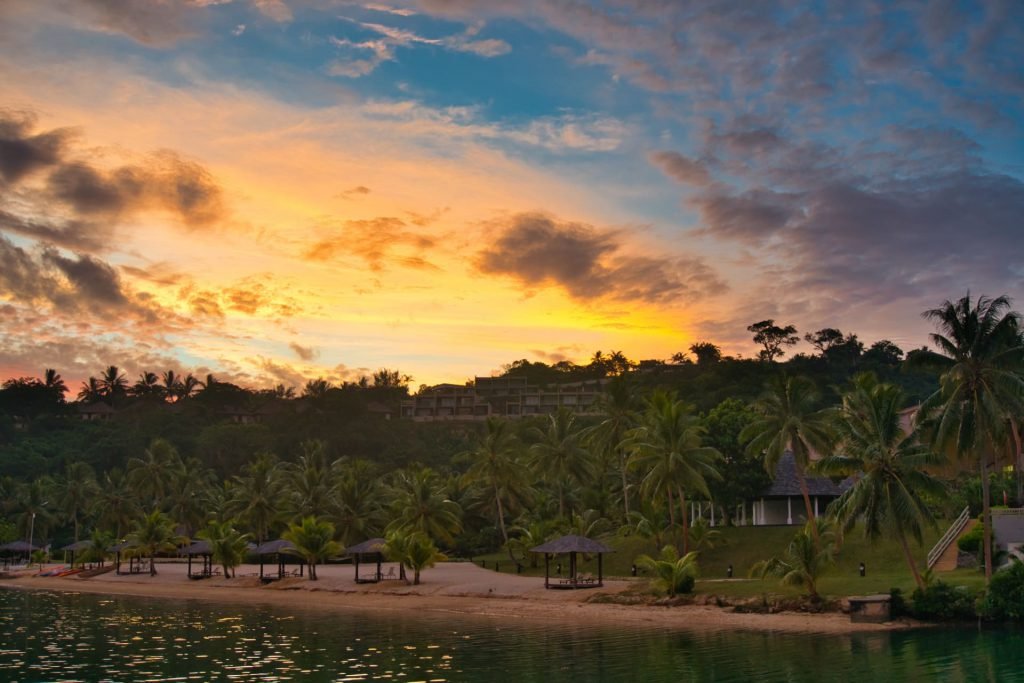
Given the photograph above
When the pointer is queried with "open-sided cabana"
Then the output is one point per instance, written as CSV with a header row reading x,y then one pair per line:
x,y
75,548
371,550
572,546
202,550
135,564
17,548
277,549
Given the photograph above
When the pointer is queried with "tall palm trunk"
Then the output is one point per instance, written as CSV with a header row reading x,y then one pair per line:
x,y
686,522
152,564
625,485
986,517
671,514
910,558
807,505
1018,461
501,523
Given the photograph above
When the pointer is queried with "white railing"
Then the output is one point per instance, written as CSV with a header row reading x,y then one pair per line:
x,y
951,533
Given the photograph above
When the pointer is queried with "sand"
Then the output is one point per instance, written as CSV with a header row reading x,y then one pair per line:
x,y
458,588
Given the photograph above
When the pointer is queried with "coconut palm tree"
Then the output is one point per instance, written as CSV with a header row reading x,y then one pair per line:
x,y
788,418
114,384
358,495
558,454
116,504
809,555
154,533
257,495
981,355
172,385
189,493
75,491
495,467
91,391
313,541
310,482
148,385
55,383
422,504
888,464
227,545
667,449
673,574
152,476
618,408
414,550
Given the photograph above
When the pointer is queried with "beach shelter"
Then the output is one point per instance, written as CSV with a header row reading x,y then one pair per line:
x,y
198,549
73,548
134,563
573,545
20,548
277,548
372,550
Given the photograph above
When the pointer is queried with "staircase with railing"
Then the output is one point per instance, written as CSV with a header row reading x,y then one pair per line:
x,y
947,538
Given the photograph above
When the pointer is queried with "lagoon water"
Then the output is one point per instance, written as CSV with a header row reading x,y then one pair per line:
x,y
79,637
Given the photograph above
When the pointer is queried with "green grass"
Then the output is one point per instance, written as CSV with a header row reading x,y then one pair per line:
x,y
744,546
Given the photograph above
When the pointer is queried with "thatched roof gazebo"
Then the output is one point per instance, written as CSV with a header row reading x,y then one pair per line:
x,y
77,547
18,548
277,549
572,545
372,549
203,550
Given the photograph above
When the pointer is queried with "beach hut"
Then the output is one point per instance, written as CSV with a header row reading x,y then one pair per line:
x,y
135,564
16,548
277,549
573,545
372,550
77,547
202,550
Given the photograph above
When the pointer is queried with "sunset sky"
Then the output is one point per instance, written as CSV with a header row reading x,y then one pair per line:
x,y
276,190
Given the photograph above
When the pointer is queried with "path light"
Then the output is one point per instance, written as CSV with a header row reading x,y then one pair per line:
x,y
728,572
863,569
633,570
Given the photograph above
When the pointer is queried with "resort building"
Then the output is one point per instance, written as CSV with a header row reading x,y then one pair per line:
x,y
500,396
782,503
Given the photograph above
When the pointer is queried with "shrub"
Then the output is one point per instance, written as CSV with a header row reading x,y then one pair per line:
x,y
1005,598
897,603
942,602
971,541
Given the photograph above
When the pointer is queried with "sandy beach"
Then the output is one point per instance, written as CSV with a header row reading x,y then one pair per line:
x,y
458,587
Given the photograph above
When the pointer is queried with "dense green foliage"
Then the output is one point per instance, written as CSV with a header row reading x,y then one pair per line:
x,y
1005,597
940,601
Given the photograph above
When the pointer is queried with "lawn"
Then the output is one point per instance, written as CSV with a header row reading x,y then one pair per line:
x,y
744,546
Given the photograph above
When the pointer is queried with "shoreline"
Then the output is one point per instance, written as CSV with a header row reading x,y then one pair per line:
x,y
464,590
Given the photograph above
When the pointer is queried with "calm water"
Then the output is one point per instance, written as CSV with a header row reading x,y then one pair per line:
x,y
51,637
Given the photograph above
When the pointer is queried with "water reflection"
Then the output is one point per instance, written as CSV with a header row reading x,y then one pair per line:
x,y
82,637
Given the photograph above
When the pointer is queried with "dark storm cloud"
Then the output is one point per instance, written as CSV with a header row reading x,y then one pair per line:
x,y
91,278
21,151
540,251
165,181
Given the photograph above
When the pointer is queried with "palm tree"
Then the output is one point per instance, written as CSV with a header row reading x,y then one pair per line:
x,y
310,482
147,385
257,495
495,467
667,448
154,533
313,541
75,491
673,574
618,407
152,476
189,493
558,455
788,419
189,386
55,383
32,503
421,504
414,550
113,383
358,501
981,388
809,555
172,385
116,504
888,464
227,546
91,391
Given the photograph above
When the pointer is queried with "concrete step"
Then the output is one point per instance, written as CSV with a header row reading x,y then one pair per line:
x,y
947,562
